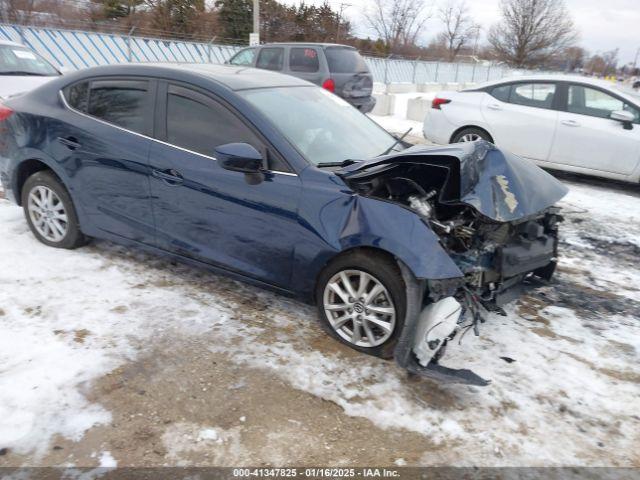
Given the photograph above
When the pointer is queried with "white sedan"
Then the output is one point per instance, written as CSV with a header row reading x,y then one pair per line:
x,y
568,123
22,69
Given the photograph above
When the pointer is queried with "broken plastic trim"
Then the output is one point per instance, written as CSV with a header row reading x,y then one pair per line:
x,y
403,352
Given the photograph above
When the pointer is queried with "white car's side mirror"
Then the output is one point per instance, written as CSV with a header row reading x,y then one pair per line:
x,y
65,70
625,117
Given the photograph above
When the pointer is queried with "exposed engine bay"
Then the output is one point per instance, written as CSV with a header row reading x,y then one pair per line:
x,y
497,257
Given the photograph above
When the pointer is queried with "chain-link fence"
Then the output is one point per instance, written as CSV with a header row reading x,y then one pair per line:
x,y
75,49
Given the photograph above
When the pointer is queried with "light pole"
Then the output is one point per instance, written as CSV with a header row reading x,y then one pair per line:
x,y
254,38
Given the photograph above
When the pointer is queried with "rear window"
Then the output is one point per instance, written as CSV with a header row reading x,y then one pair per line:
x,y
121,104
345,60
538,95
304,60
502,92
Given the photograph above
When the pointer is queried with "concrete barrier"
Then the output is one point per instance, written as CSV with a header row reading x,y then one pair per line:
x,y
417,108
385,104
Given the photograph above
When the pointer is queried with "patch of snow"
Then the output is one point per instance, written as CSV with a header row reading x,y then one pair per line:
x,y
188,443
107,461
208,434
66,319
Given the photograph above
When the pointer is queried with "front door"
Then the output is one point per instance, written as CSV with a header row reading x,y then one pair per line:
x,y
211,214
587,137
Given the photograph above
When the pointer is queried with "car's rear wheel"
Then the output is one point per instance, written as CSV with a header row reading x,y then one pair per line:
x,y
362,301
471,135
50,212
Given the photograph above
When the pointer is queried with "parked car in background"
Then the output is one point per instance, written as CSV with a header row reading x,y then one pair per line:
x,y
337,68
201,163
21,69
567,123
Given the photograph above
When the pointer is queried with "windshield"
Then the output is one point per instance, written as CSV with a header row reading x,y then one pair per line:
x,y
322,126
15,60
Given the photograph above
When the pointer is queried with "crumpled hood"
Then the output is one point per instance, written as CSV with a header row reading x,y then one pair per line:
x,y
498,184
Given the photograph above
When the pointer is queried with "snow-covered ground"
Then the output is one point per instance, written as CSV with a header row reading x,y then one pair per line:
x,y
564,363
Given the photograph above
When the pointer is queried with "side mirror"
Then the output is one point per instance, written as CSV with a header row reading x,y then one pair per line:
x,y
239,157
625,117
242,157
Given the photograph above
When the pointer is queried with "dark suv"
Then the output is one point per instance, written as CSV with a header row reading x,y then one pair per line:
x,y
338,68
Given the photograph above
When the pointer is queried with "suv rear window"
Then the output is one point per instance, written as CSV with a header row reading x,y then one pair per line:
x,y
303,60
345,60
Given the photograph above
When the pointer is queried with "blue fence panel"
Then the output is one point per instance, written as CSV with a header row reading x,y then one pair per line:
x,y
78,49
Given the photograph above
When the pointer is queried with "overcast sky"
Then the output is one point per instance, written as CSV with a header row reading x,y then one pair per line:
x,y
603,24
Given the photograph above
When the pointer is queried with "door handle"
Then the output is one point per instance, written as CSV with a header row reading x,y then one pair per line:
x,y
70,142
570,123
494,106
170,176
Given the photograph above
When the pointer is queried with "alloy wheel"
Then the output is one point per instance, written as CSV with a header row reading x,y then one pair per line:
x,y
470,137
47,213
359,308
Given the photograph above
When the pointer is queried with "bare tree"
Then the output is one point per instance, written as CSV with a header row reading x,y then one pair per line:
x,y
460,30
17,10
397,22
532,31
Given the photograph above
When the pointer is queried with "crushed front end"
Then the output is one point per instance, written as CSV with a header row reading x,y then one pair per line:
x,y
494,214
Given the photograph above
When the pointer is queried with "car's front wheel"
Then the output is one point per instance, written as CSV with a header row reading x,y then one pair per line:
x,y
49,211
362,301
471,135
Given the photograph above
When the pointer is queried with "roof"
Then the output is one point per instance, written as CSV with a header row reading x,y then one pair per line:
x,y
233,77
597,82
552,77
311,44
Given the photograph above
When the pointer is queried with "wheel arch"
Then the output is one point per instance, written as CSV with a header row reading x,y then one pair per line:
x,y
24,170
367,249
457,131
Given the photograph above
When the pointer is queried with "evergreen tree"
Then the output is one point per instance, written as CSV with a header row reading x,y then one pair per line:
x,y
235,18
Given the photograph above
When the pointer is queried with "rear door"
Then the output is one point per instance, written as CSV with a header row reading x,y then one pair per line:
x,y
105,139
348,70
587,137
522,117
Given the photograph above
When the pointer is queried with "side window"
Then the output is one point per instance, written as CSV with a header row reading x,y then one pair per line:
x,y
538,95
596,103
270,58
122,102
304,60
501,93
77,96
244,57
200,124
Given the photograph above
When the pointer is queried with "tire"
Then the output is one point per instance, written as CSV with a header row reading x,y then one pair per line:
x,y
50,212
471,134
377,337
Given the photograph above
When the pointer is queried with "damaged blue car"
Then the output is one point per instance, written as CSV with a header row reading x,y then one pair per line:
x,y
274,181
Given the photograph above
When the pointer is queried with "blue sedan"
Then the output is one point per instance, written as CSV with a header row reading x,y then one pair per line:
x,y
275,181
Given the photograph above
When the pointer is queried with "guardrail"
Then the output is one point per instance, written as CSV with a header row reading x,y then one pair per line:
x,y
76,49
